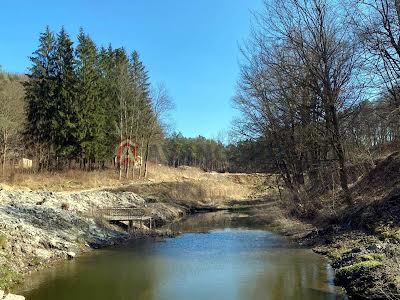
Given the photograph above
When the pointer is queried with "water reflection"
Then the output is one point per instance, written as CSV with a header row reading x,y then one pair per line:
x,y
219,264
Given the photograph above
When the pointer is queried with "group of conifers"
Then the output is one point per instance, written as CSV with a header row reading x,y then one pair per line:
x,y
82,100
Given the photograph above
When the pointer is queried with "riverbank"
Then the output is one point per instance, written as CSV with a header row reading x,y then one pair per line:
x,y
362,240
366,264
39,227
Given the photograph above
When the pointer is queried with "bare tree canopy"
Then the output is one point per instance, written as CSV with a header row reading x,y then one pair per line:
x,y
298,76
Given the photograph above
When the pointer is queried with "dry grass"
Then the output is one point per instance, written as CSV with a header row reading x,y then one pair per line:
x,y
75,180
61,181
161,173
205,191
180,184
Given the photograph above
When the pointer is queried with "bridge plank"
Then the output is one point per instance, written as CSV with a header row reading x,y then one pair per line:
x,y
123,214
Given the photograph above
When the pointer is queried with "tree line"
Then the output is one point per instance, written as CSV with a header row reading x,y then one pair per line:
x,y
80,102
243,156
319,87
207,154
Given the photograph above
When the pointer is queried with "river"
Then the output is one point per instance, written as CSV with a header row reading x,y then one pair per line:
x,y
211,259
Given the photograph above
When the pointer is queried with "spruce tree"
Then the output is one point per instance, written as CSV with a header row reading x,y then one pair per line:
x,y
109,100
140,102
65,122
41,89
91,108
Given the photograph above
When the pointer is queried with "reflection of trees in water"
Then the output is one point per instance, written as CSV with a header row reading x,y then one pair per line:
x,y
210,221
112,275
203,222
290,274
233,264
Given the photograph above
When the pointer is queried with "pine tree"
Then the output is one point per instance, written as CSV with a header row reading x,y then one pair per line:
x,y
82,102
109,100
91,110
124,96
142,113
65,122
41,91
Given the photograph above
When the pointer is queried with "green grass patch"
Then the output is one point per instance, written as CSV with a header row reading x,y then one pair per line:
x,y
239,207
366,260
369,264
8,278
388,231
370,257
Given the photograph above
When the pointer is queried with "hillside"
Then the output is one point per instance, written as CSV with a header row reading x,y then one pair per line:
x,y
364,241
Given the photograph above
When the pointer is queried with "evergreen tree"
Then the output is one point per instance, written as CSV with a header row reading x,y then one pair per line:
x,y
91,111
141,109
82,102
41,90
109,100
65,121
140,84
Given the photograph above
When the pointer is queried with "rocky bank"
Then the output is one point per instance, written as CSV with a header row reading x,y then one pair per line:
x,y
38,228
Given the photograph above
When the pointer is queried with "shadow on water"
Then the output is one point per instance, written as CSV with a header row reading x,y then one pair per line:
x,y
215,258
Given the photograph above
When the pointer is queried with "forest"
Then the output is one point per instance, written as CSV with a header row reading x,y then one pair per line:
x,y
246,156
319,84
90,158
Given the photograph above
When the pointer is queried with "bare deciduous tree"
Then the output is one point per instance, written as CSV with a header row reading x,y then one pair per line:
x,y
162,105
297,77
11,113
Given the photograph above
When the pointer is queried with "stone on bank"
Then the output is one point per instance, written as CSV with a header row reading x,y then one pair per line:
x,y
10,296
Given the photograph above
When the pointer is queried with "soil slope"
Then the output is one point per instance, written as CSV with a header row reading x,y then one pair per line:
x,y
364,244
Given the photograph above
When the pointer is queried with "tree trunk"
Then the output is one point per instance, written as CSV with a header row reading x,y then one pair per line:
x,y
120,158
4,152
146,159
127,162
141,155
338,146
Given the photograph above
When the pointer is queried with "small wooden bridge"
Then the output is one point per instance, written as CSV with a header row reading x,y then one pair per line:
x,y
127,214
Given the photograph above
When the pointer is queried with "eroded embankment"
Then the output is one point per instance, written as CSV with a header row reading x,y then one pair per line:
x,y
363,239
39,227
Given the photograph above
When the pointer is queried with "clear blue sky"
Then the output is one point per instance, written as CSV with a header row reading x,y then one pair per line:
x,y
189,45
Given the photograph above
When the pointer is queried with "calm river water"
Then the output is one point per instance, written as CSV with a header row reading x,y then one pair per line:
x,y
207,262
